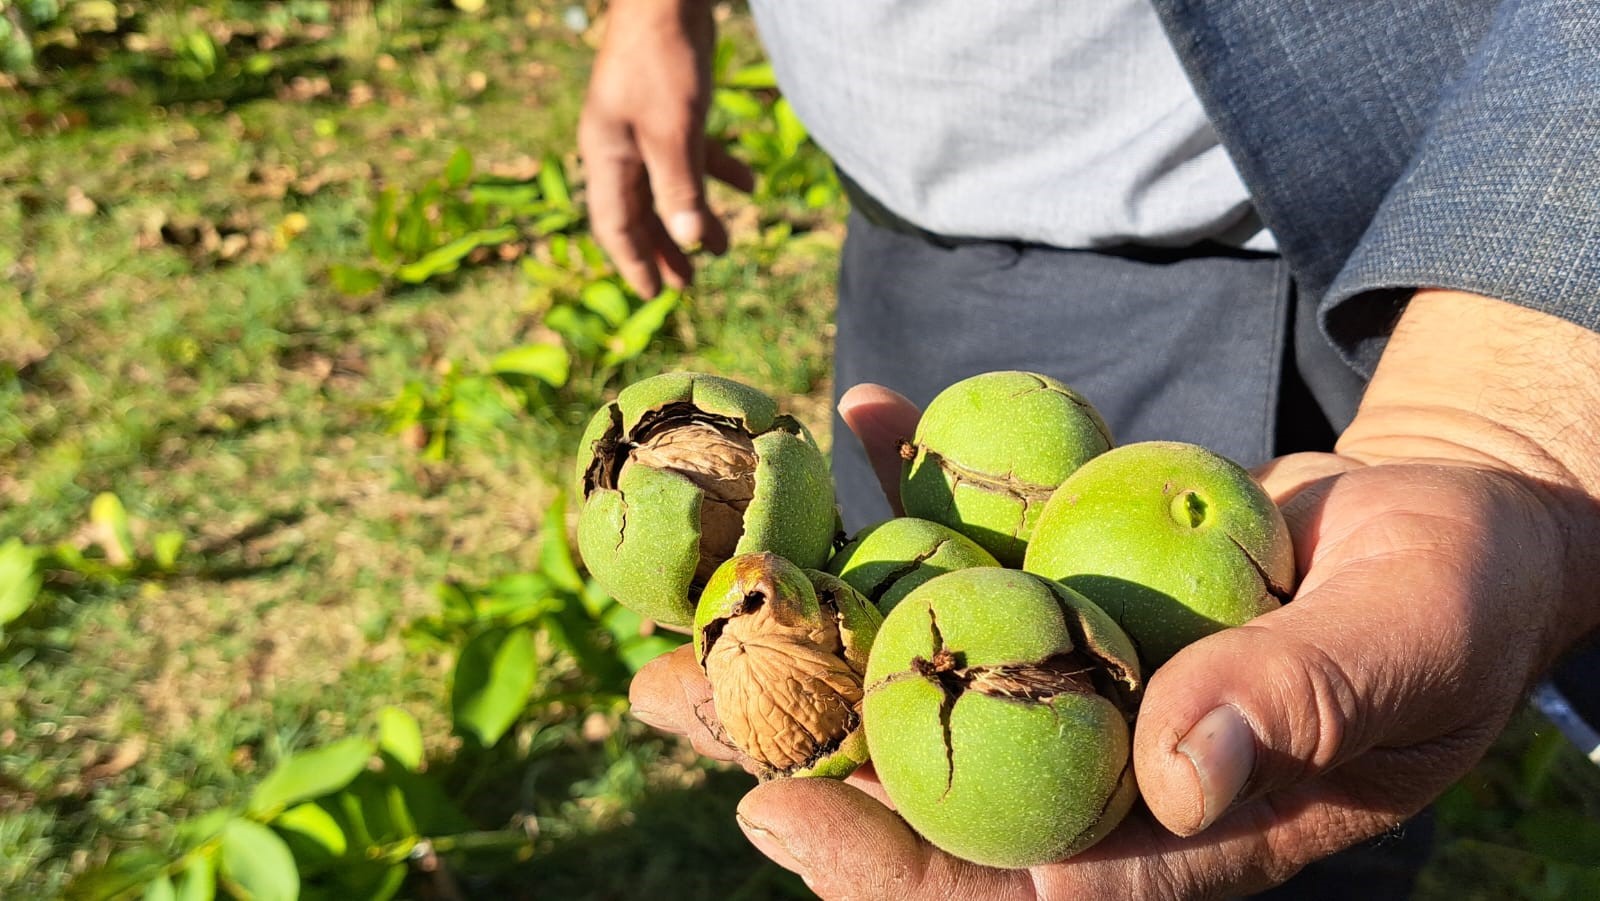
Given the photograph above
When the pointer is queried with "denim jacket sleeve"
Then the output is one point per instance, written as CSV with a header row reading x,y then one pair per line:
x,y
1412,143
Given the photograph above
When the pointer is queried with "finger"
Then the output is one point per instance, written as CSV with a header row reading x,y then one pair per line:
x,y
729,169
881,419
617,196
865,778
671,693
1297,483
674,264
845,844
673,151
1285,477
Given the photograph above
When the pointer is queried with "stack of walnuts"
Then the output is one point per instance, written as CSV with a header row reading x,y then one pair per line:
x,y
987,650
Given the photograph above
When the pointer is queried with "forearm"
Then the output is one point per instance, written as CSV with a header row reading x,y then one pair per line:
x,y
1472,379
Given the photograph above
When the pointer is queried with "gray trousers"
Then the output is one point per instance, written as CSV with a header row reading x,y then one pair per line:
x,y
1209,346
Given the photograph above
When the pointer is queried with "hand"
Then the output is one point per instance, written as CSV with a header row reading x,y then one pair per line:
x,y
642,138
1444,557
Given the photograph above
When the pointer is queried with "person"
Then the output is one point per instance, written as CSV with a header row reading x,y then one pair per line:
x,y
1358,249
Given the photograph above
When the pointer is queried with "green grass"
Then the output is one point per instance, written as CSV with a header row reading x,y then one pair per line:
x,y
239,399
235,396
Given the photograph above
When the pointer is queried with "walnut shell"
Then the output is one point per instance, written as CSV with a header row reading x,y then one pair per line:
x,y
785,651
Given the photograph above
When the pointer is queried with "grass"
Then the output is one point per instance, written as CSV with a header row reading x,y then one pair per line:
x,y
238,398
177,342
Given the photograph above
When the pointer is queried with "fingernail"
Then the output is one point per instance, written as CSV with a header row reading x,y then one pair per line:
x,y
684,227
1223,751
767,843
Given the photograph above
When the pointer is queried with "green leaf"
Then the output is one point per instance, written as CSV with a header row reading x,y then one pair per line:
x,y
355,280
448,258
555,553
791,132
593,257
20,579
635,652
432,804
640,329
166,547
257,862
312,823
198,879
549,363
198,830
517,598
381,228
372,881
582,329
558,221
414,234
553,182
742,107
606,299
400,737
758,76
383,809
721,59
542,273
310,774
518,197
493,679
160,889
458,171
571,630
116,536
123,873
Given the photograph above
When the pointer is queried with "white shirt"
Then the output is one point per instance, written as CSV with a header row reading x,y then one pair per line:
x,y
1063,123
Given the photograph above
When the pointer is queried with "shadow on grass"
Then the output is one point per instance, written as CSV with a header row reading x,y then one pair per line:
x,y
681,844
106,85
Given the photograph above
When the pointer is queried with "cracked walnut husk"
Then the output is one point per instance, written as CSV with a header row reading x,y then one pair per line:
x,y
990,449
785,651
683,471
998,709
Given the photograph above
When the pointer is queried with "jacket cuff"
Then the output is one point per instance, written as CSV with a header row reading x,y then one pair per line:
x,y
1502,198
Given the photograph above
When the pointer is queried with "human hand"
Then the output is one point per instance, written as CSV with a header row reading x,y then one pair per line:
x,y
1443,556
642,139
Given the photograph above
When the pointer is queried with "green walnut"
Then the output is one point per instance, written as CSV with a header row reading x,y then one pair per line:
x,y
997,713
990,449
683,471
887,560
1174,541
785,651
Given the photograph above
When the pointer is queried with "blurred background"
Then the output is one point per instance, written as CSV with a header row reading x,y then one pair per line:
x,y
299,326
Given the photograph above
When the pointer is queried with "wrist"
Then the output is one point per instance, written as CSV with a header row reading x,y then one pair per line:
x,y
1473,381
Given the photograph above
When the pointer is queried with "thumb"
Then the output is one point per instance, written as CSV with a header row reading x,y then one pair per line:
x,y
1350,666
881,418
845,844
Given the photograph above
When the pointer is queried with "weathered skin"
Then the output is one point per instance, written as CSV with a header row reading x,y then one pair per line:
x,y
997,710
785,651
886,561
990,449
685,470
1173,541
